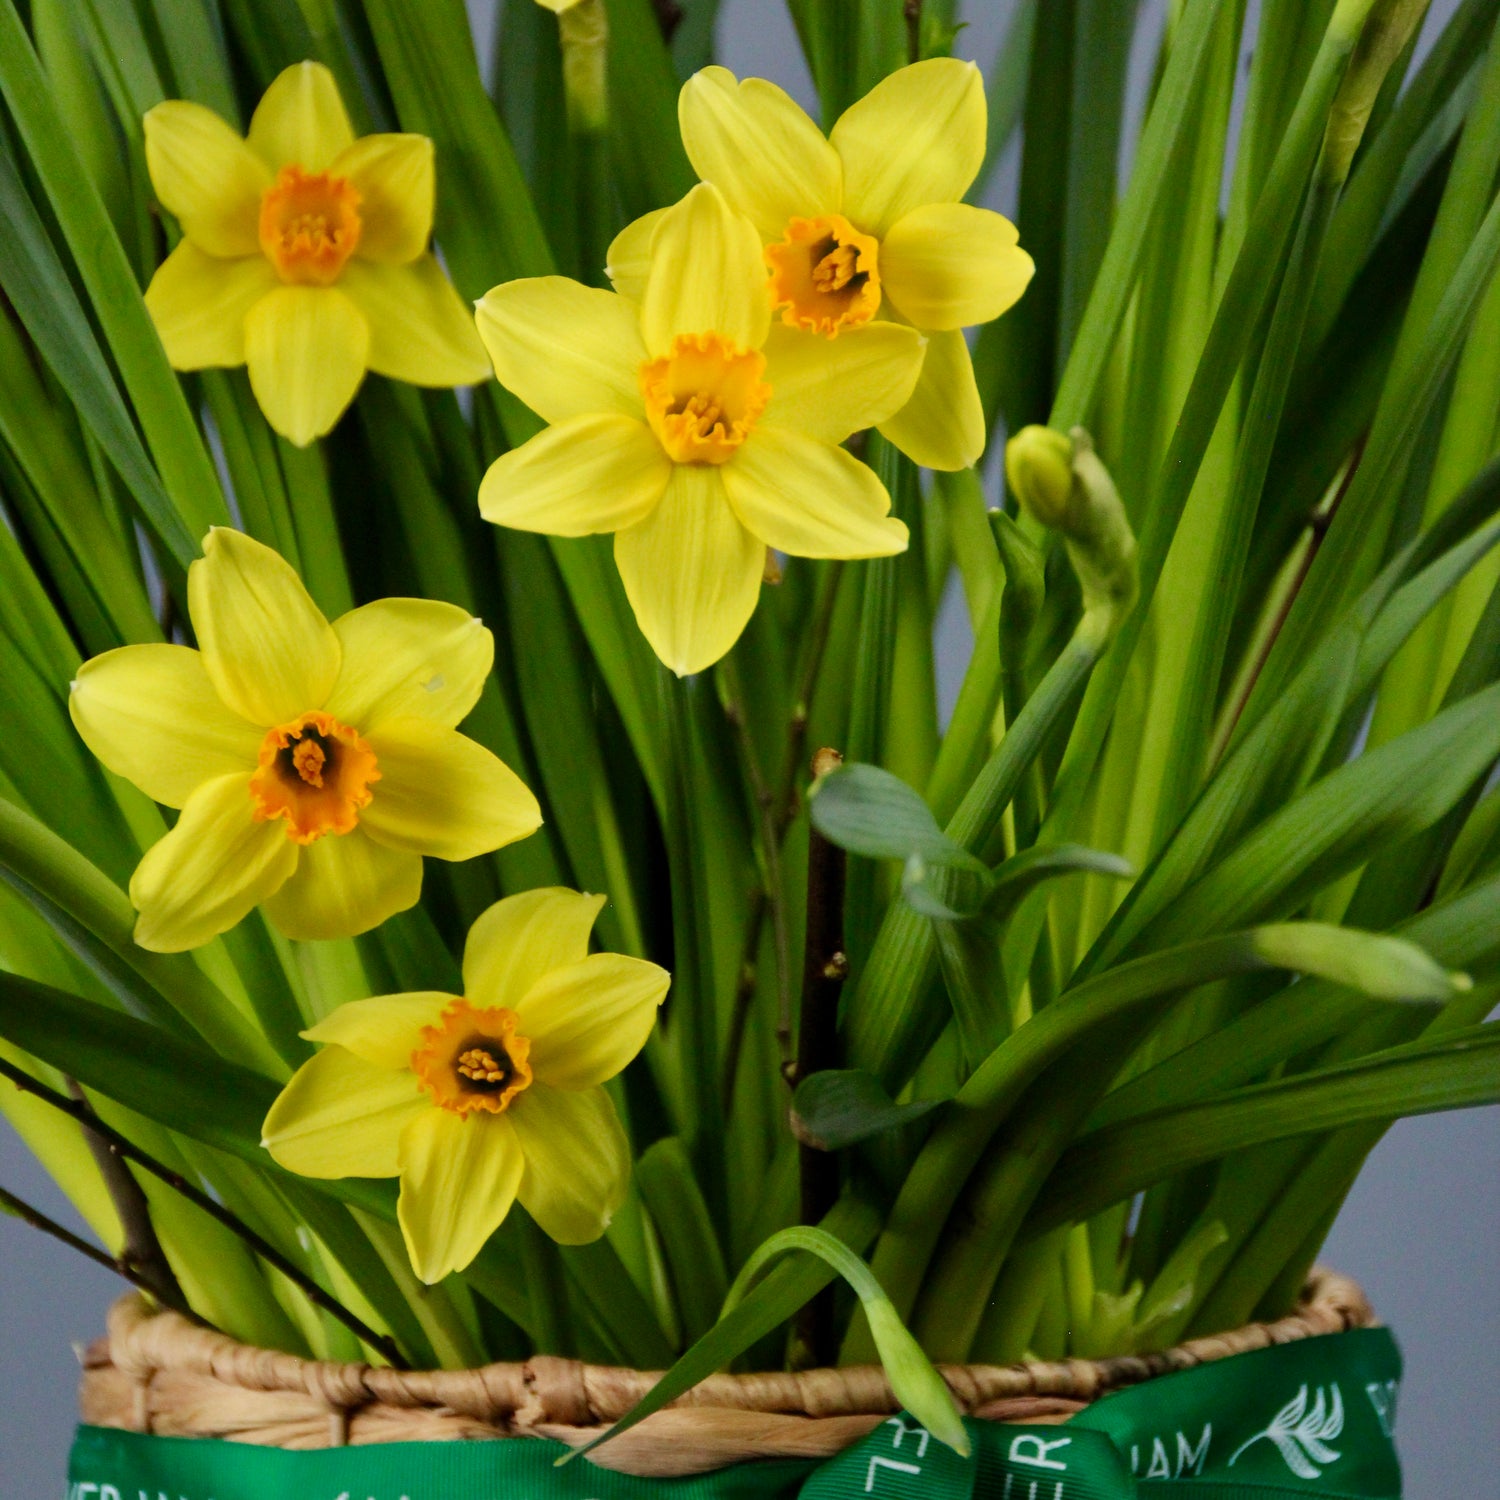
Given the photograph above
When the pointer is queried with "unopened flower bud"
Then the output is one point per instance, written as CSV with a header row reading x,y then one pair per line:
x,y
1039,471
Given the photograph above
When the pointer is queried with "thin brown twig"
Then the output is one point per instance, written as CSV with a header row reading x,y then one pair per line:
x,y
1318,522
38,1220
142,1250
825,965
784,807
122,1146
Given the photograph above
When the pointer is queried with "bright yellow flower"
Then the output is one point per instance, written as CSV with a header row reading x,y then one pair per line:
x,y
692,428
304,254
480,1100
864,224
314,764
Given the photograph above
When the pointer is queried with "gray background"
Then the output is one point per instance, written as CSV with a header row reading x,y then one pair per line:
x,y
1419,1230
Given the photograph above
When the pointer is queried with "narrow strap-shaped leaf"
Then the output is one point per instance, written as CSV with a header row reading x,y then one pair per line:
x,y
187,472
36,283
95,917
1094,1010
1461,1071
1112,287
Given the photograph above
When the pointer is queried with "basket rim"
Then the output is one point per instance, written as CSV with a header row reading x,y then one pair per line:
x,y
158,1373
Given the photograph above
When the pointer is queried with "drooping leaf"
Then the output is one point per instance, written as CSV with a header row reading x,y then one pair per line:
x,y
842,1106
870,812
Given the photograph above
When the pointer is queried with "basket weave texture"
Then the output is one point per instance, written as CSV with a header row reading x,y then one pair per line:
x,y
158,1373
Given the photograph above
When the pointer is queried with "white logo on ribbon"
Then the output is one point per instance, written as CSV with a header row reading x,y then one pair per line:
x,y
1301,1431
1382,1394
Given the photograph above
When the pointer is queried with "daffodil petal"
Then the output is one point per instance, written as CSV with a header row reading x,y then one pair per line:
x,y
267,649
384,1030
755,143
629,256
301,120
707,275
420,331
307,348
342,1116
345,884
409,658
587,1020
691,571
212,868
566,350
584,475
442,794
830,388
397,185
577,1161
917,137
949,265
459,1175
199,303
206,176
811,499
152,716
519,940
942,426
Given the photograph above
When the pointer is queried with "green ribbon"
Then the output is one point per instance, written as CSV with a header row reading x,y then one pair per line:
x,y
1313,1418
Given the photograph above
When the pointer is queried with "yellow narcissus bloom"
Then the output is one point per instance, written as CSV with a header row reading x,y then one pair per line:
x,y
866,223
304,254
480,1100
692,428
314,764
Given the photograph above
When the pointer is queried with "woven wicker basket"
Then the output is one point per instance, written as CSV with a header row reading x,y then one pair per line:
x,y
161,1374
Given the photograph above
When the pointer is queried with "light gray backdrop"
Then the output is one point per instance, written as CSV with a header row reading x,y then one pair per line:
x,y
1420,1231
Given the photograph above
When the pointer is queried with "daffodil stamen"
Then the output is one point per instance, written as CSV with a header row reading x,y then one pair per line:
x,y
703,398
309,225
472,1059
316,773
825,274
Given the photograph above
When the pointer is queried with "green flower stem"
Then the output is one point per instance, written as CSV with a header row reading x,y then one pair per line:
x,y
892,1018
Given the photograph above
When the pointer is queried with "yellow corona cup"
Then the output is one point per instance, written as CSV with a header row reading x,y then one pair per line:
x,y
692,427
476,1101
315,764
304,254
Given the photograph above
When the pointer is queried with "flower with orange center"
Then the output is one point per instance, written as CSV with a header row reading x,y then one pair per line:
x,y
303,254
315,764
480,1100
864,224
692,427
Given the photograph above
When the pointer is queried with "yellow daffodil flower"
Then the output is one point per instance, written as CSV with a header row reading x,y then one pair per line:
x,y
864,224
692,428
314,764
480,1100
304,254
